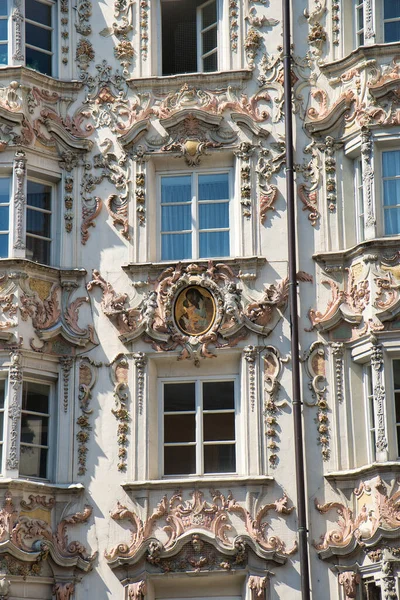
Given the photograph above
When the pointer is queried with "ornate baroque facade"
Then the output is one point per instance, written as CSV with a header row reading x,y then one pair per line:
x,y
145,379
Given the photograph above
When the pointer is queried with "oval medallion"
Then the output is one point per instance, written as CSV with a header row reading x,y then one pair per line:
x,y
194,310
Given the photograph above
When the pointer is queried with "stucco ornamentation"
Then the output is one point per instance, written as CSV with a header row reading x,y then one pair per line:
x,y
273,367
19,199
258,585
197,515
63,591
377,513
338,351
137,591
119,369
315,363
18,23
379,396
250,356
14,410
83,12
87,380
140,360
269,164
350,582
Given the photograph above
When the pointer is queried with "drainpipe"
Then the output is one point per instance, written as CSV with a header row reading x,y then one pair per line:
x,y
294,318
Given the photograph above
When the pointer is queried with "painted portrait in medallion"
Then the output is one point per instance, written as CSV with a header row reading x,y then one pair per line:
x,y
194,310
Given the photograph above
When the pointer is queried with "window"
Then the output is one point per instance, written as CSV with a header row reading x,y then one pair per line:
x,y
360,214
391,191
5,185
34,443
396,380
391,20
2,404
195,216
38,222
189,36
3,33
370,411
199,433
359,7
39,35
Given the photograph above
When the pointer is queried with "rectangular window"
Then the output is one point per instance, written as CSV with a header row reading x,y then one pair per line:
x,y
189,36
38,222
360,215
35,416
199,427
195,216
5,184
359,20
370,411
39,35
396,380
2,405
391,191
3,33
391,21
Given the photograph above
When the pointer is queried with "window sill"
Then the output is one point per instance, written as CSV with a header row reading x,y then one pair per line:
x,y
169,81
336,68
25,76
353,475
228,480
36,485
336,256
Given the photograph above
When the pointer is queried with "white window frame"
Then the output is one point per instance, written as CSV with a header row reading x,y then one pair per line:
x,y
382,198
199,37
50,438
198,425
194,173
53,5
52,187
395,422
8,231
3,434
370,420
359,197
378,23
359,31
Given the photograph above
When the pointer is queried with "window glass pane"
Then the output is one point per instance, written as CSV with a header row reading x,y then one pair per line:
x,y
4,218
179,460
214,244
212,216
3,246
210,63
33,462
34,429
218,395
392,221
38,61
176,189
214,186
38,11
4,190
179,396
38,222
176,246
209,40
391,163
179,428
391,190
38,250
396,374
3,8
209,14
391,9
392,32
219,459
38,36
360,18
397,401
176,218
3,54
35,397
3,30
2,394
39,195
219,427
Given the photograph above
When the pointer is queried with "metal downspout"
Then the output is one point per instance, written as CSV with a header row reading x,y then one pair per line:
x,y
293,307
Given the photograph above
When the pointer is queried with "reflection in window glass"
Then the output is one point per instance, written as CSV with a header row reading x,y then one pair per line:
x,y
34,445
391,20
38,36
391,191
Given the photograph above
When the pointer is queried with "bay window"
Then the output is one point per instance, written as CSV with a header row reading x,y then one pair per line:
x,y
195,219
189,36
370,412
34,441
3,33
5,187
396,391
199,432
377,22
391,20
